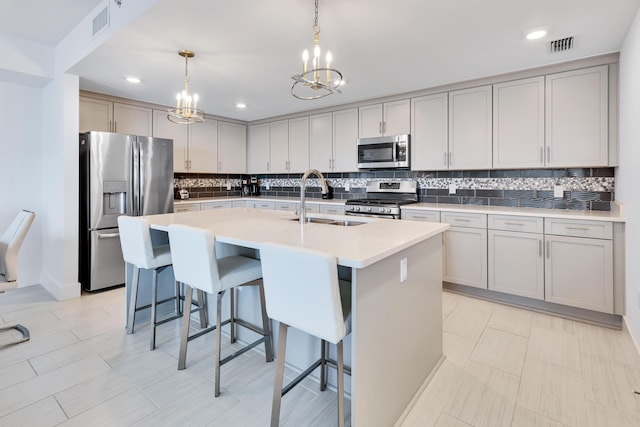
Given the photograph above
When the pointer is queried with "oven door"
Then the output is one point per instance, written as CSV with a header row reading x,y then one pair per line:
x,y
386,216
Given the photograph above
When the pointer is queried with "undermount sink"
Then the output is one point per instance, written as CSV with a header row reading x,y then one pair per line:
x,y
331,221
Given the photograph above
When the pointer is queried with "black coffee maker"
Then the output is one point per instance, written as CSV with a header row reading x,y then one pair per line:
x,y
254,186
246,190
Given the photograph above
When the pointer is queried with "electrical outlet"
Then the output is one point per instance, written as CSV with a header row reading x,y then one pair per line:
x,y
267,185
403,270
452,189
228,185
347,187
558,191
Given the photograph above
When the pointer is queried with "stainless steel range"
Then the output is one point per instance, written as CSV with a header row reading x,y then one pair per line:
x,y
383,199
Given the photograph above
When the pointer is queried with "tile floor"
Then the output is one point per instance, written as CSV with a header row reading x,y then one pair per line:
x,y
504,367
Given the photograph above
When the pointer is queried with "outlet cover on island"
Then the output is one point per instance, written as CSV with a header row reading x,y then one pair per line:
x,y
403,270
558,191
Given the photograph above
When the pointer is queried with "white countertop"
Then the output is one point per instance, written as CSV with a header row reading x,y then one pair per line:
x,y
261,199
615,215
354,246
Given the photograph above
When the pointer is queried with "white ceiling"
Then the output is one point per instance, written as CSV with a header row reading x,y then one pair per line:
x,y
247,50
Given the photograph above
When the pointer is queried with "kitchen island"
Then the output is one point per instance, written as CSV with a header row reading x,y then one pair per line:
x,y
396,338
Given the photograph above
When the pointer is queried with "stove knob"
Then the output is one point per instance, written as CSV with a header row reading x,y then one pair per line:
x,y
388,210
369,209
357,208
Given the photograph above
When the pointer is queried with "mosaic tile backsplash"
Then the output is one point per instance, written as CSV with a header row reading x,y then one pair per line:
x,y
584,188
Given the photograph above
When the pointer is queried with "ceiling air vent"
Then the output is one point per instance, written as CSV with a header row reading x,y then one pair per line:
x,y
561,45
101,21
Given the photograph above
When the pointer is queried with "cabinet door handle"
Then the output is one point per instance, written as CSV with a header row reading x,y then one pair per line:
x,y
380,128
110,125
548,154
540,247
115,126
445,158
267,166
548,248
541,155
450,158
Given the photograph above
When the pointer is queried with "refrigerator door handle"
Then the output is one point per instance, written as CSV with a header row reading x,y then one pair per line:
x,y
135,177
108,236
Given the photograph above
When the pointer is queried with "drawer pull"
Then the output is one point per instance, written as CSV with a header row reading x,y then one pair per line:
x,y
462,219
578,228
419,217
516,224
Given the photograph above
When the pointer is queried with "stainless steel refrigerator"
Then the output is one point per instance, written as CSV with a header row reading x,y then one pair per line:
x,y
119,175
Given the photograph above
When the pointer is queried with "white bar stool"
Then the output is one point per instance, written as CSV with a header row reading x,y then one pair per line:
x,y
196,266
303,291
10,244
138,250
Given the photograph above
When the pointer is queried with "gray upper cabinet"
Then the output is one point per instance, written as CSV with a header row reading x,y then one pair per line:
x,y
430,132
390,118
298,144
470,128
258,151
518,124
577,118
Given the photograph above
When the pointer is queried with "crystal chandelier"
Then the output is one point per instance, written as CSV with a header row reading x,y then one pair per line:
x,y
318,81
186,111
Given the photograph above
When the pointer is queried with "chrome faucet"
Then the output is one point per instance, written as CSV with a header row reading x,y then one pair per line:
x,y
303,184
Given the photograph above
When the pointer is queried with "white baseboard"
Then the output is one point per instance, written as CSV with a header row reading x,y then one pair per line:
x,y
625,327
61,291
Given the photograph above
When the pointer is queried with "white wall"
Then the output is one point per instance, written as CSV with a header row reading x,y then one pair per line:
x,y
21,174
60,187
627,174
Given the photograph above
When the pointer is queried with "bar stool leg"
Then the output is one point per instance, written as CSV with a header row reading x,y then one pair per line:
x,y
324,372
218,342
154,298
186,318
178,295
232,314
340,386
266,327
204,321
133,300
277,384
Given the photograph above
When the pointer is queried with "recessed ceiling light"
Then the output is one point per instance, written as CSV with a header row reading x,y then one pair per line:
x,y
132,79
536,34
241,105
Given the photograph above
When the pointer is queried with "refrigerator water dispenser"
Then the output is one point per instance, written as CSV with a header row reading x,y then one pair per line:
x,y
114,197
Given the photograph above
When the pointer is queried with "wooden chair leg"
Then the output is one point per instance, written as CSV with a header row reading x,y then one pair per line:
x,y
133,300
186,319
218,343
279,378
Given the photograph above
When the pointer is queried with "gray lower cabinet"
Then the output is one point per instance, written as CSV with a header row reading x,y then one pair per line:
x,y
516,255
465,249
215,205
186,207
420,215
578,268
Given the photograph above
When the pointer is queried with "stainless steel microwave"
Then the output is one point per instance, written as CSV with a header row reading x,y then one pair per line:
x,y
384,152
